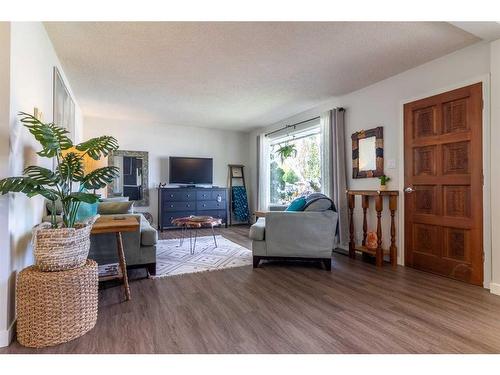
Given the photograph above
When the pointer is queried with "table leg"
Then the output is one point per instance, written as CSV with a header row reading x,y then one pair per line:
x,y
352,251
191,242
213,234
123,264
195,237
181,239
379,259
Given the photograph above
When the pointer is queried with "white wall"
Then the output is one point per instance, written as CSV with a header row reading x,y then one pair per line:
x,y
162,141
381,105
4,172
32,59
495,165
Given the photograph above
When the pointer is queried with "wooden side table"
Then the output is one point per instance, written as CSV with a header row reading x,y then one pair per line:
x,y
113,225
191,223
379,206
260,213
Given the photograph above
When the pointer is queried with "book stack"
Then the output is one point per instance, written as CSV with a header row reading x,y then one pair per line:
x,y
106,270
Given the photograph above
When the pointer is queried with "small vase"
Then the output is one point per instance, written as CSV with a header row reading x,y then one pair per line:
x,y
383,187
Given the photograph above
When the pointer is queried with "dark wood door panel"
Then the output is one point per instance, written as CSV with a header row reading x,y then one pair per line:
x,y
443,166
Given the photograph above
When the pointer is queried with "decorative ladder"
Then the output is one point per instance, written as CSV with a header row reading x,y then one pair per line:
x,y
236,173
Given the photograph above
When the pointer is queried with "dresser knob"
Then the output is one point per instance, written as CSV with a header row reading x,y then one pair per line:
x,y
171,206
171,195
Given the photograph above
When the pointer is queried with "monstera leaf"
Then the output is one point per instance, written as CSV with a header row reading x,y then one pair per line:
x,y
27,186
42,176
100,146
100,177
52,137
71,167
81,197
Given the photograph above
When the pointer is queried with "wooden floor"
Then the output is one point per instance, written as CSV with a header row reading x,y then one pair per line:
x,y
293,308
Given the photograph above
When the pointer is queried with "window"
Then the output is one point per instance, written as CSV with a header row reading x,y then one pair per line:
x,y
295,165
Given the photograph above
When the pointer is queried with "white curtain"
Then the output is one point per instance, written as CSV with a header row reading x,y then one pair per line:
x,y
263,173
334,166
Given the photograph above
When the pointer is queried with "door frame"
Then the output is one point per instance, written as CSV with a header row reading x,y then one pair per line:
x,y
485,80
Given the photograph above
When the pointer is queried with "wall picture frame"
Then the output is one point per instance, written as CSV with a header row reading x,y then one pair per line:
x,y
368,153
63,105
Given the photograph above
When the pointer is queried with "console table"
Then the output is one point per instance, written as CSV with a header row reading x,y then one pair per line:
x,y
379,205
174,203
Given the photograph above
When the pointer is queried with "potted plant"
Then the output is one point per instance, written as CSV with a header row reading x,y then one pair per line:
x,y
64,245
383,182
286,151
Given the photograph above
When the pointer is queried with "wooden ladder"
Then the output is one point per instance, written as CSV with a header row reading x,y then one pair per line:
x,y
236,173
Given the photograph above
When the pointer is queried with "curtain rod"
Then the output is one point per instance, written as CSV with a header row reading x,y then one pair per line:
x,y
291,126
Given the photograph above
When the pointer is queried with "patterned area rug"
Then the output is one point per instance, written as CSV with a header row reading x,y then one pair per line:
x,y
172,259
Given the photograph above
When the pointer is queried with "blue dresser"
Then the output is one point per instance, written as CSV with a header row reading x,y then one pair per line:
x,y
180,202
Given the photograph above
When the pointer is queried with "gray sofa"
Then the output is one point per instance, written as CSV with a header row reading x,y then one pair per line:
x,y
303,235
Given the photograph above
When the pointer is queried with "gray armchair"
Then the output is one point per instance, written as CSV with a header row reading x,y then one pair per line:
x,y
304,235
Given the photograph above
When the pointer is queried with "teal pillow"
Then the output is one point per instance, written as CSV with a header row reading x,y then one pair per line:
x,y
85,211
297,204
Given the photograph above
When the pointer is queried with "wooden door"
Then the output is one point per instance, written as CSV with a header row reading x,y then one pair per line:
x,y
444,184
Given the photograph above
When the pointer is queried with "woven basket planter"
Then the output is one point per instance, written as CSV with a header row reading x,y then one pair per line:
x,y
56,307
62,248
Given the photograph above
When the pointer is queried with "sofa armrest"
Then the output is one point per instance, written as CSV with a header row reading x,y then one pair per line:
x,y
301,234
149,235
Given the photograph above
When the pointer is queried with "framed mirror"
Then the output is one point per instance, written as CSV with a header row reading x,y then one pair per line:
x,y
368,153
133,179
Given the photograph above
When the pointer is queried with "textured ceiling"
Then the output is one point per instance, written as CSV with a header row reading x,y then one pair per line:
x,y
237,75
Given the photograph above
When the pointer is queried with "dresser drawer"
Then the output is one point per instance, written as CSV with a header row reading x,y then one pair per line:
x,y
176,196
179,206
204,195
219,195
210,205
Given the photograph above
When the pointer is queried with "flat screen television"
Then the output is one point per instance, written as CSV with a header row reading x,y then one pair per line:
x,y
190,171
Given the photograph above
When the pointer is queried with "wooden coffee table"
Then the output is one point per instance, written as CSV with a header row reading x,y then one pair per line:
x,y
191,223
112,225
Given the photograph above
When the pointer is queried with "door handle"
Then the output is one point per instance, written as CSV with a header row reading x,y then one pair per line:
x,y
409,190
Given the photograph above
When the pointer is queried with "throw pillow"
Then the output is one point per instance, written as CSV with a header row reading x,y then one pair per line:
x,y
85,211
111,208
297,204
59,207
114,199
319,205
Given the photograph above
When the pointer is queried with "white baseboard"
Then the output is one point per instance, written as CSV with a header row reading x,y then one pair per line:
x,y
495,288
7,335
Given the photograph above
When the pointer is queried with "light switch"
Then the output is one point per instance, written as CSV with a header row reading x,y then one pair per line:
x,y
391,164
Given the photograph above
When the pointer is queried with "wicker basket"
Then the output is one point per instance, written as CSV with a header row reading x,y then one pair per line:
x,y
56,307
62,248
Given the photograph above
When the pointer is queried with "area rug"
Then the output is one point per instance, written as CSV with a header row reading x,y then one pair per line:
x,y
172,259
